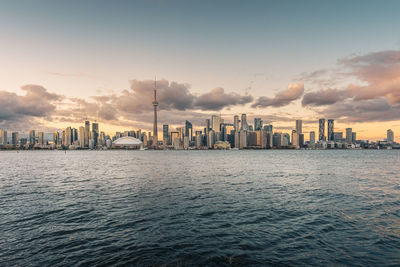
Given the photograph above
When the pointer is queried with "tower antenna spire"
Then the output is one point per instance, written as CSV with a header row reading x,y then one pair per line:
x,y
155,104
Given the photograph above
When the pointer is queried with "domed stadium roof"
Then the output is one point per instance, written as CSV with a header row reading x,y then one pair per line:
x,y
127,141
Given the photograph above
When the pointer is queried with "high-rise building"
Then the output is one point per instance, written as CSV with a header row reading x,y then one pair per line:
x,y
322,130
208,126
258,124
312,137
87,133
286,139
3,137
301,140
189,130
252,139
277,140
338,136
354,137
349,135
199,139
331,128
299,126
102,139
216,122
236,139
236,123
242,139
268,128
244,125
155,104
41,138
67,141
165,134
56,138
82,136
211,139
295,139
95,133
15,138
174,136
32,137
390,136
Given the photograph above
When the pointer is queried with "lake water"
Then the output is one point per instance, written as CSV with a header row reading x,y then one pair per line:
x,y
214,208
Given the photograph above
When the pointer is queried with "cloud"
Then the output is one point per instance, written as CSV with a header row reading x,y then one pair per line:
x,y
170,95
283,98
217,99
377,72
380,71
372,110
36,102
324,97
132,107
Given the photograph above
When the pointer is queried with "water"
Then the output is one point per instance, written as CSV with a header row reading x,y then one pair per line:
x,y
185,208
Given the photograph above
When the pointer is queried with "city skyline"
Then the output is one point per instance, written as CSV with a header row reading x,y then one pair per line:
x,y
321,63
216,134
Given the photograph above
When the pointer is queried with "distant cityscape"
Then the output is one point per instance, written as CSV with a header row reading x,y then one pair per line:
x,y
216,134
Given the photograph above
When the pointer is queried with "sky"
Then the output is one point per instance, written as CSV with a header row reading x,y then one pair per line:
x,y
62,62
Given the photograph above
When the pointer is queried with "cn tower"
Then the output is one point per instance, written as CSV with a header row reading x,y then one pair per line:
x,y
155,104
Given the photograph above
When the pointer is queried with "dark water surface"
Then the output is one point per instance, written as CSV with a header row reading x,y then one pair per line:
x,y
215,208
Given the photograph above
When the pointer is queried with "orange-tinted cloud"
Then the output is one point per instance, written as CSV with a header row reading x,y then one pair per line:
x,y
283,98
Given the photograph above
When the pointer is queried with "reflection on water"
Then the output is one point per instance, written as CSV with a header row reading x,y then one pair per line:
x,y
218,208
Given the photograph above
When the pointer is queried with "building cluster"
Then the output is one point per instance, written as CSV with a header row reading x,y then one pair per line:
x,y
217,134
85,137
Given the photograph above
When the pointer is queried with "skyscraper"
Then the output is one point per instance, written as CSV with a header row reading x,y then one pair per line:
x,y
40,138
354,137
207,126
68,137
331,128
15,138
87,133
155,104
312,137
165,134
82,136
3,137
56,138
349,135
299,126
236,123
295,139
390,136
244,125
322,130
268,128
211,139
258,124
242,139
216,122
189,130
32,137
95,135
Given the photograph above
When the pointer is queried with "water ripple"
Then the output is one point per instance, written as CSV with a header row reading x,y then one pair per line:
x,y
200,208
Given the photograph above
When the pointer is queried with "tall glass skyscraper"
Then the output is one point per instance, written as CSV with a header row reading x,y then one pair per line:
x,y
189,130
258,124
322,130
331,135
244,125
299,126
